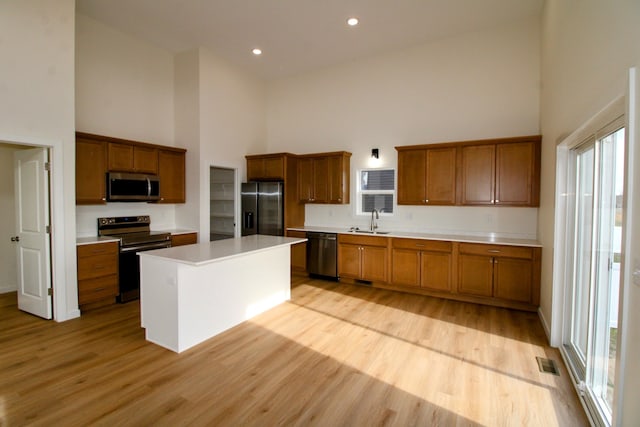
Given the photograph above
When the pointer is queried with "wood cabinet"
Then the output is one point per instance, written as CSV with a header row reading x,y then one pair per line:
x,y
266,167
422,263
171,167
96,155
363,257
97,274
132,158
501,174
427,176
298,251
497,172
509,273
324,178
91,167
184,239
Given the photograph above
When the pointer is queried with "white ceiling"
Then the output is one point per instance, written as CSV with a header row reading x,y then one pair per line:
x,y
300,35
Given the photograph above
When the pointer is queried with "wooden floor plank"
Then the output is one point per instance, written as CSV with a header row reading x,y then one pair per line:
x,y
336,354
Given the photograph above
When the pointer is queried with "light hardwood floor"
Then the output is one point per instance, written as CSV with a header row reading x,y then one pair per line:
x,y
336,354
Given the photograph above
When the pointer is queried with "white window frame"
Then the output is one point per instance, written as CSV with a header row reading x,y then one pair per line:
x,y
360,192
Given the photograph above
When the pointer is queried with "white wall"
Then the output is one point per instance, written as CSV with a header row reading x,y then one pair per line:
x,y
587,48
124,89
232,123
8,271
37,107
473,86
220,117
124,86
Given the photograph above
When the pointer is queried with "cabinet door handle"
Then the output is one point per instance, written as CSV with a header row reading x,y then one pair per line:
x,y
494,251
419,246
497,201
426,200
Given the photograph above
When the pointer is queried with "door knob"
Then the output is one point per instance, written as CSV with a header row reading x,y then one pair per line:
x,y
15,239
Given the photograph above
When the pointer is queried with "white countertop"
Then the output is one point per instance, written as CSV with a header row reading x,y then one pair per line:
x,y
208,252
429,236
95,239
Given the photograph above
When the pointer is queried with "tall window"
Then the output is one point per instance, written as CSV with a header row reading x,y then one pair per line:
x,y
376,190
590,339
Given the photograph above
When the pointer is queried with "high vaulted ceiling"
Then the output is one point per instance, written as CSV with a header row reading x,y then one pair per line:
x,y
300,35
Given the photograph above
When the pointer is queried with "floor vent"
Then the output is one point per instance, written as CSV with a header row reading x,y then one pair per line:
x,y
547,365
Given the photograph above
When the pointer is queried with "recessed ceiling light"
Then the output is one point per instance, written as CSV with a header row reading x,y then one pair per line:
x,y
352,22
257,51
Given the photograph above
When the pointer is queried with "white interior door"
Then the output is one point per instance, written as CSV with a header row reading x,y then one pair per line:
x,y
32,238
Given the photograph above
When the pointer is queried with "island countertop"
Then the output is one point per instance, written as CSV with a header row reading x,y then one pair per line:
x,y
209,252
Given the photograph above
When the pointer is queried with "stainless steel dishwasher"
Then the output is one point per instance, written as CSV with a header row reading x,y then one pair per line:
x,y
322,254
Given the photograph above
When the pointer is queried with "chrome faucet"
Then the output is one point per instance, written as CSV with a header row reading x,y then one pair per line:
x,y
374,224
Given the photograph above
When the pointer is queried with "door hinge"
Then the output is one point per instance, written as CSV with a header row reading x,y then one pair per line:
x,y
47,166
47,229
50,291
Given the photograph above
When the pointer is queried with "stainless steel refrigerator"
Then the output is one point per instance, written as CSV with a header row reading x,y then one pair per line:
x,y
262,208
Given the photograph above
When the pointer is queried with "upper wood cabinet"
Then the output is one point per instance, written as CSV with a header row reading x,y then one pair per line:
x,y
96,155
91,166
266,167
132,158
427,176
324,178
171,167
505,173
498,172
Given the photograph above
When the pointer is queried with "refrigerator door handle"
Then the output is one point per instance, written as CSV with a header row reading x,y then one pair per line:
x,y
248,220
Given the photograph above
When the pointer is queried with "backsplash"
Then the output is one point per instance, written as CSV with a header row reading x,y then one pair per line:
x,y
162,216
518,223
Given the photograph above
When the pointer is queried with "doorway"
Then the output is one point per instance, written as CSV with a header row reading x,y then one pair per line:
x,y
222,203
593,256
25,261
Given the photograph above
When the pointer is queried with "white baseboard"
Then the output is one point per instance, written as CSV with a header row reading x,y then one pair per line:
x,y
7,288
545,325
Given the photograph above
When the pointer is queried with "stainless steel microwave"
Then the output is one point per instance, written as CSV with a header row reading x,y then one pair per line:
x,y
132,187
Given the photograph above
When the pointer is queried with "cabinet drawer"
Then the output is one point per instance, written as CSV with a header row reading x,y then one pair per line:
x,y
184,239
497,250
97,249
422,245
363,240
92,290
97,266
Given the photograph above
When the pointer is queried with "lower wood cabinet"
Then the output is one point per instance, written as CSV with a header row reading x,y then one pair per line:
x,y
97,274
363,257
426,264
298,252
184,239
509,273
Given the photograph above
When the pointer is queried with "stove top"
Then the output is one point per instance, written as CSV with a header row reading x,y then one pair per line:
x,y
131,230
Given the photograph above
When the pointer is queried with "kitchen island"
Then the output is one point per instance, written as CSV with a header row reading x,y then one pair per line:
x,y
190,293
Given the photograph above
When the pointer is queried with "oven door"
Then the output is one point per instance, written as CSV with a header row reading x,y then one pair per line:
x,y
130,269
